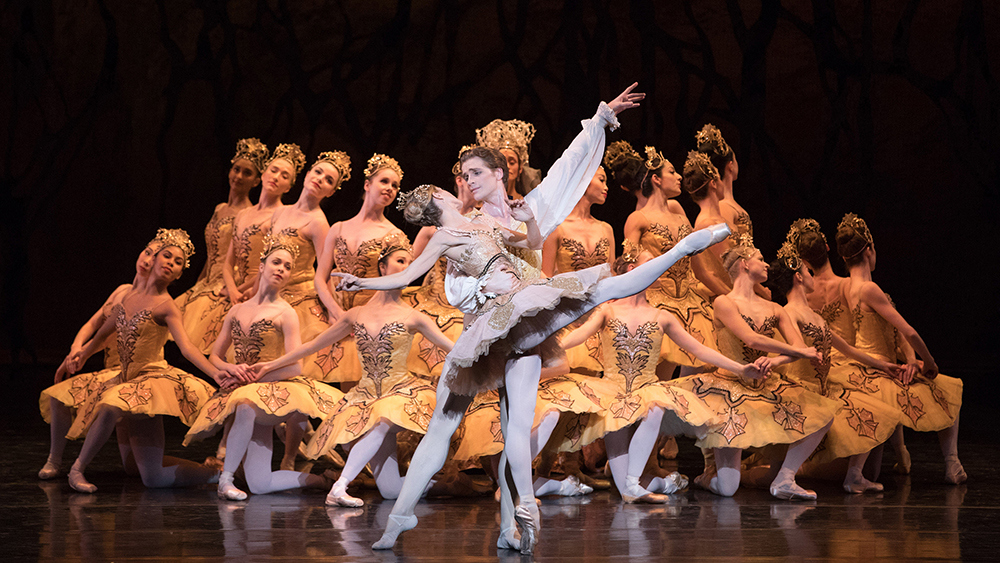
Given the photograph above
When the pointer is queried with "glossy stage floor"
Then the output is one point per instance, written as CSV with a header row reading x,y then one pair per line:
x,y
917,517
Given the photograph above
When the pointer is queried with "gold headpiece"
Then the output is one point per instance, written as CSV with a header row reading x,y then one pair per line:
x,y
699,161
511,134
378,162
860,227
392,242
178,238
790,256
654,160
630,251
253,150
339,160
457,168
419,196
800,227
279,241
616,152
742,246
290,152
709,139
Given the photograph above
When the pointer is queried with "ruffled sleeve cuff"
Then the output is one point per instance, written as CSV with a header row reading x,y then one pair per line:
x,y
605,116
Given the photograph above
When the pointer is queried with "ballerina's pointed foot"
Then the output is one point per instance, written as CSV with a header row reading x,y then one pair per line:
x,y
397,525
719,233
670,484
703,238
79,483
954,473
227,490
572,487
509,539
634,493
49,471
528,518
338,496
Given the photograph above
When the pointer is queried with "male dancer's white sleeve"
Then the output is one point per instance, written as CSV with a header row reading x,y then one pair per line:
x,y
553,200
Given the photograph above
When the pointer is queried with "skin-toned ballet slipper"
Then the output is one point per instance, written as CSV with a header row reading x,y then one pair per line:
x,y
902,466
338,496
49,470
954,473
856,484
634,493
669,449
227,490
790,490
214,462
397,525
79,483
528,519
509,539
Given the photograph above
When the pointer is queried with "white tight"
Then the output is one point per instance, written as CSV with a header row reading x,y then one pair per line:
x,y
629,447
377,446
255,441
146,441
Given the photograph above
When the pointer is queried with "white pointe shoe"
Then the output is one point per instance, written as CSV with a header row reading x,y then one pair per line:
x,y
338,496
790,490
572,487
509,539
702,239
954,473
397,525
671,484
529,521
227,490
857,485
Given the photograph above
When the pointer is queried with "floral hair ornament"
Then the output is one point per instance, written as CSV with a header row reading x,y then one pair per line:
x,y
699,162
253,150
339,160
290,152
789,256
279,241
512,134
379,162
800,227
860,227
709,140
654,160
178,238
616,153
392,242
457,168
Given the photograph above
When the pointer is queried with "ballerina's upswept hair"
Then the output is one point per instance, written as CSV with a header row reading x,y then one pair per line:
x,y
418,206
710,142
742,249
699,173
853,237
809,242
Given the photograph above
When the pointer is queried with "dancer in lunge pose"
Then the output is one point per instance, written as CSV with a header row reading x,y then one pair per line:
x,y
260,329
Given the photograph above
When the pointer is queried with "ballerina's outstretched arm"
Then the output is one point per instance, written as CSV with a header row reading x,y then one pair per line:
x,y
439,243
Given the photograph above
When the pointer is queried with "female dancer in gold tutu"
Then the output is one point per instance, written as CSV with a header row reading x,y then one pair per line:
x,y
636,405
364,233
58,401
251,224
710,142
655,229
863,422
260,329
757,413
929,401
389,398
146,387
204,305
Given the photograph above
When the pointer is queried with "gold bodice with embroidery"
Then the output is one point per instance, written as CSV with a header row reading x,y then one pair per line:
x,y
140,342
248,244
630,358
810,373
363,262
218,234
657,240
874,335
572,256
734,348
304,269
262,341
383,358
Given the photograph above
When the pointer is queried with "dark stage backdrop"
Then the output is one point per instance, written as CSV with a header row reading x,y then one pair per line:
x,y
120,116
